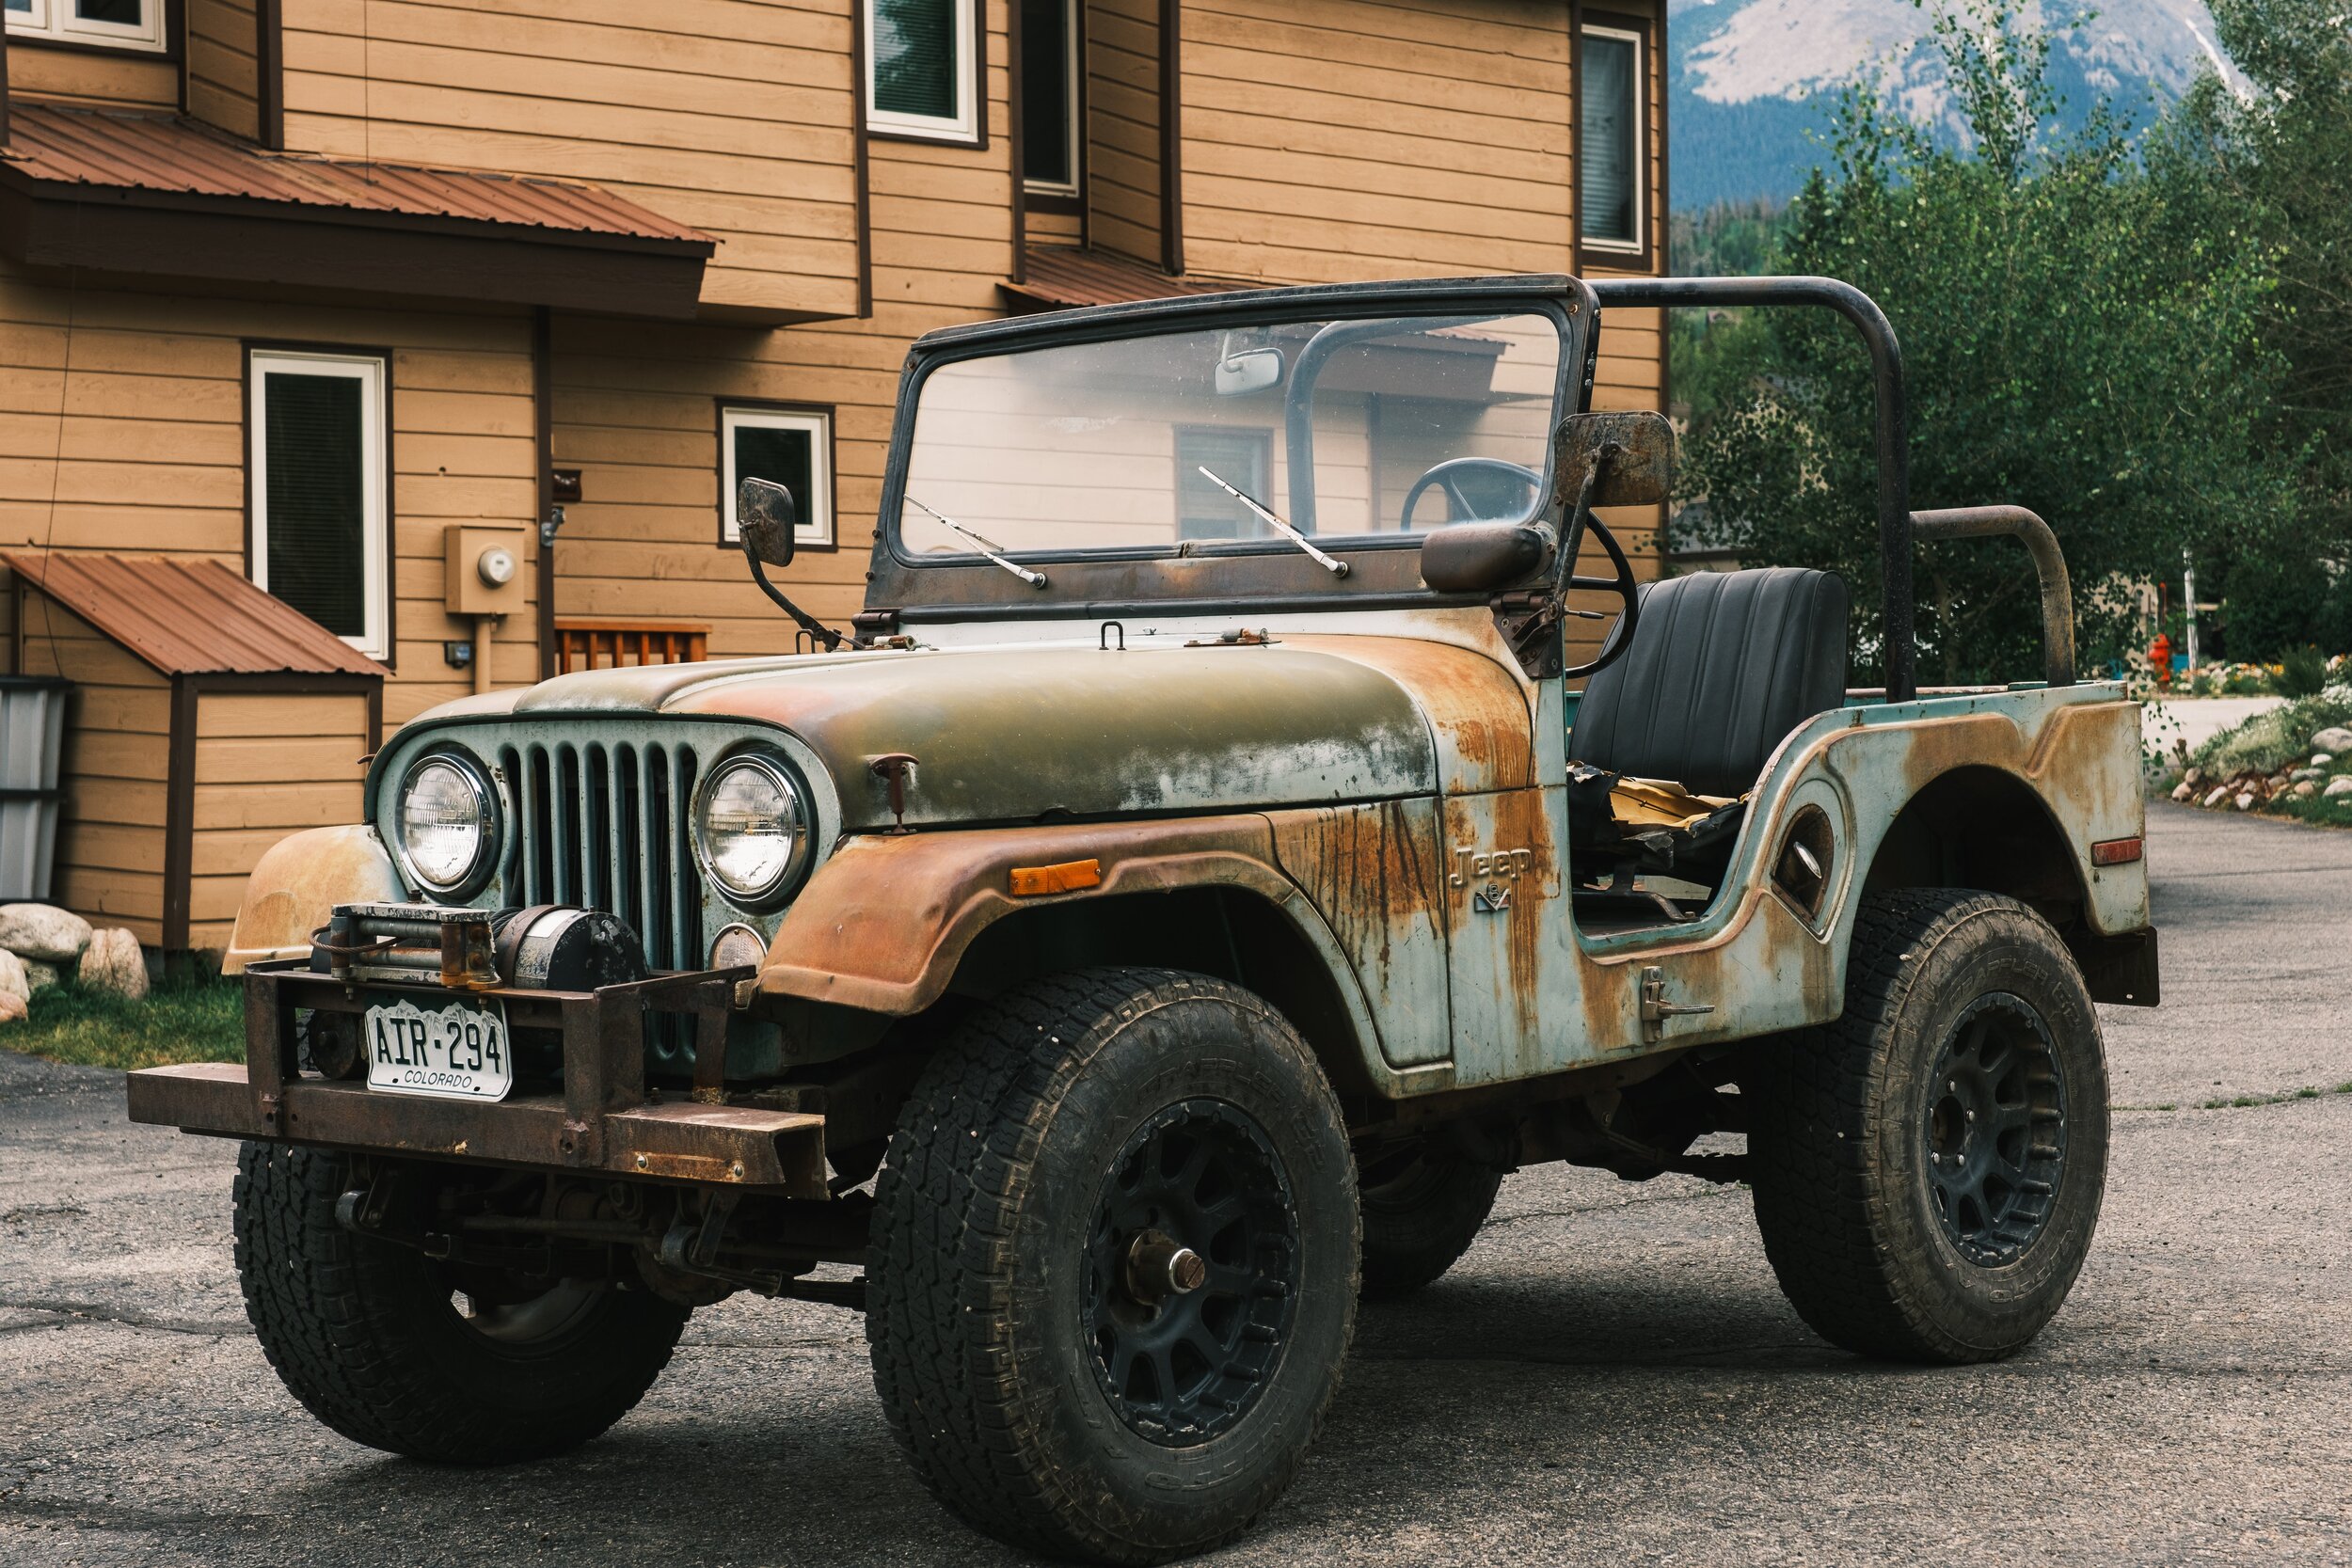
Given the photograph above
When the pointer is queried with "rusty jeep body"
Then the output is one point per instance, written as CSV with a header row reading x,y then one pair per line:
x,y
1205,869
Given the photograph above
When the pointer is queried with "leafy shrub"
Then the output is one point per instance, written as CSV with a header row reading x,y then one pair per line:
x,y
2302,673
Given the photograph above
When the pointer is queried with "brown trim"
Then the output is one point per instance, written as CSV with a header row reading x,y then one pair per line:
x,y
1576,138
1066,206
128,230
833,461
1171,138
3,85
1645,58
269,70
179,815
1662,226
1015,111
248,347
860,140
543,440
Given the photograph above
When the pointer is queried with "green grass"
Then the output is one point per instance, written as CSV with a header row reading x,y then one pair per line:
x,y
186,1019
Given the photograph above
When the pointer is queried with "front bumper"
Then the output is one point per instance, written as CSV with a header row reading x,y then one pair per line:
x,y
605,1120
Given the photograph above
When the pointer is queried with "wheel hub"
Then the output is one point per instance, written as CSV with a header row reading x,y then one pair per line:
x,y
1192,1272
1995,1133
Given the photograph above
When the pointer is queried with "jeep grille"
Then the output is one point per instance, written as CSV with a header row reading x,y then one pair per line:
x,y
604,826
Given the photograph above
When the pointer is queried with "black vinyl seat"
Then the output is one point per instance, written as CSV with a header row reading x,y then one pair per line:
x,y
1724,665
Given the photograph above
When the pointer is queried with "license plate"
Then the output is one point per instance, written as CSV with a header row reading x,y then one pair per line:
x,y
458,1049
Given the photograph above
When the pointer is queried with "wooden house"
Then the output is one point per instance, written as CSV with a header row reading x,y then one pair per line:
x,y
303,287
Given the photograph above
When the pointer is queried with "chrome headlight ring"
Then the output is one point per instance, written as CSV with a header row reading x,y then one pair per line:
x,y
755,829
448,825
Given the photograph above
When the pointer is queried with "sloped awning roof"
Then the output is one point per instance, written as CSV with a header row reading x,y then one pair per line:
x,y
1061,277
129,192
188,617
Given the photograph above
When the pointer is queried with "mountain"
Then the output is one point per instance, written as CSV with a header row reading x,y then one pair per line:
x,y
1754,82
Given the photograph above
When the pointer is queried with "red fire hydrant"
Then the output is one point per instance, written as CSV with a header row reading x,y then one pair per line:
x,y
2160,658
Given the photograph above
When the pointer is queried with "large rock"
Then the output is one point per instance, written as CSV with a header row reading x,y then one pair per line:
x,y
12,1008
114,963
14,980
43,932
2335,742
2338,786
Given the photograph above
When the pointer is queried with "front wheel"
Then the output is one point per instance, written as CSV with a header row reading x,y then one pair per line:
x,y
404,1352
1929,1168
1114,1264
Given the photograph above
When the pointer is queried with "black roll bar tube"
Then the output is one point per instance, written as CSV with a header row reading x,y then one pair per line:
x,y
1893,434
2049,564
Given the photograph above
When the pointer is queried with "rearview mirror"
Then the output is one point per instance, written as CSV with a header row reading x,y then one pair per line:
x,y
1250,370
765,515
1632,456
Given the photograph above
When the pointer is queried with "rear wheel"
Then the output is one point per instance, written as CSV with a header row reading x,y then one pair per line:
x,y
406,1354
1929,1168
1423,1206
1113,1265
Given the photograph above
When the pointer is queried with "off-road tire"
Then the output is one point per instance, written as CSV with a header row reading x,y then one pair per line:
x,y
1841,1135
980,1279
1419,1223
363,1332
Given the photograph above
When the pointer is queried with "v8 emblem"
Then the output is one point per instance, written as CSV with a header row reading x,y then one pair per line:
x,y
1493,898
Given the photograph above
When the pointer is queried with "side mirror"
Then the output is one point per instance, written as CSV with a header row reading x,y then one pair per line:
x,y
1250,370
765,515
1630,455
1479,558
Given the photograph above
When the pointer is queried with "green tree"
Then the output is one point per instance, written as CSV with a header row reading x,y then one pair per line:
x,y
2077,342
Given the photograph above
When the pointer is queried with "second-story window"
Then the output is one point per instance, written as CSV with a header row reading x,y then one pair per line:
x,y
921,68
318,491
129,23
1049,96
1611,147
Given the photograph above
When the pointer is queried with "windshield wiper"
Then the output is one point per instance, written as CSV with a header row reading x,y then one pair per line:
x,y
987,547
1336,567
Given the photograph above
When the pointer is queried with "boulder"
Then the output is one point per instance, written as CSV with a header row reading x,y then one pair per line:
x,y
2332,741
12,1008
2303,774
2194,777
43,932
2246,799
14,980
39,977
2305,790
2338,787
2215,795
2321,759
114,963
2184,790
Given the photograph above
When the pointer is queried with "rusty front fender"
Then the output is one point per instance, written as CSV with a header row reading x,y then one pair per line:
x,y
294,889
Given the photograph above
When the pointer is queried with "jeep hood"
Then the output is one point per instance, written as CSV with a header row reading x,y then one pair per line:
x,y
1014,734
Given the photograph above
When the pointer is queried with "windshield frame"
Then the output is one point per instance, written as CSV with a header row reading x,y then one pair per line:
x,y
1205,575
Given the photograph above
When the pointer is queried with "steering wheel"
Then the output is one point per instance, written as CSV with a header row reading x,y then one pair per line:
x,y
1447,475
1628,595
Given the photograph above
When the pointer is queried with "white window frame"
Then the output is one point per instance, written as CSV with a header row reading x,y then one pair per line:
x,y
369,371
964,124
1073,47
55,19
813,512
1639,244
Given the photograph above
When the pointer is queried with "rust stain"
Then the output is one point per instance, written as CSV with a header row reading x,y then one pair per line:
x,y
1477,707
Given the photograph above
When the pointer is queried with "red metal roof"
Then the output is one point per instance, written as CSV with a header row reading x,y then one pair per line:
x,y
159,152
1059,277
188,617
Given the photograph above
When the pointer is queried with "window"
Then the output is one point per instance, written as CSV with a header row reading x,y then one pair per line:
x,y
1613,145
792,445
1049,96
919,68
316,429
131,24
1239,457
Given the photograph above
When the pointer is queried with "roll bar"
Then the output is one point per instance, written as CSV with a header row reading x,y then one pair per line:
x,y
2049,564
1894,433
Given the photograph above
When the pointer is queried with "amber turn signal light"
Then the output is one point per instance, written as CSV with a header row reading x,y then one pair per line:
x,y
2116,852
1030,882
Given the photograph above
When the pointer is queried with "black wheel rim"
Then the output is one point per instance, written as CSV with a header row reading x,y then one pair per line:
x,y
1184,1349
1994,1134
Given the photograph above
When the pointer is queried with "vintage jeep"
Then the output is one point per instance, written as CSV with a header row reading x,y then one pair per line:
x,y
1199,879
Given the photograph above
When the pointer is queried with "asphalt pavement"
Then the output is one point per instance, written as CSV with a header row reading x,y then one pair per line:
x,y
1610,1376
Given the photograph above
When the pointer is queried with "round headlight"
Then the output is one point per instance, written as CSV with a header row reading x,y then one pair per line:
x,y
752,828
446,823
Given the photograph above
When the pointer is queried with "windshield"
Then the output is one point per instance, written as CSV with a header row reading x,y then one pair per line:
x,y
1332,429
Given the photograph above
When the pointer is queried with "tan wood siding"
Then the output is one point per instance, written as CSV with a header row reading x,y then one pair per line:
x,y
114,770
117,78
127,433
734,116
1122,140
224,65
636,406
267,765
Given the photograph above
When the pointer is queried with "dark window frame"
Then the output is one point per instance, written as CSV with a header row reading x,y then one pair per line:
x,y
1640,253
388,554
830,457
1046,195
